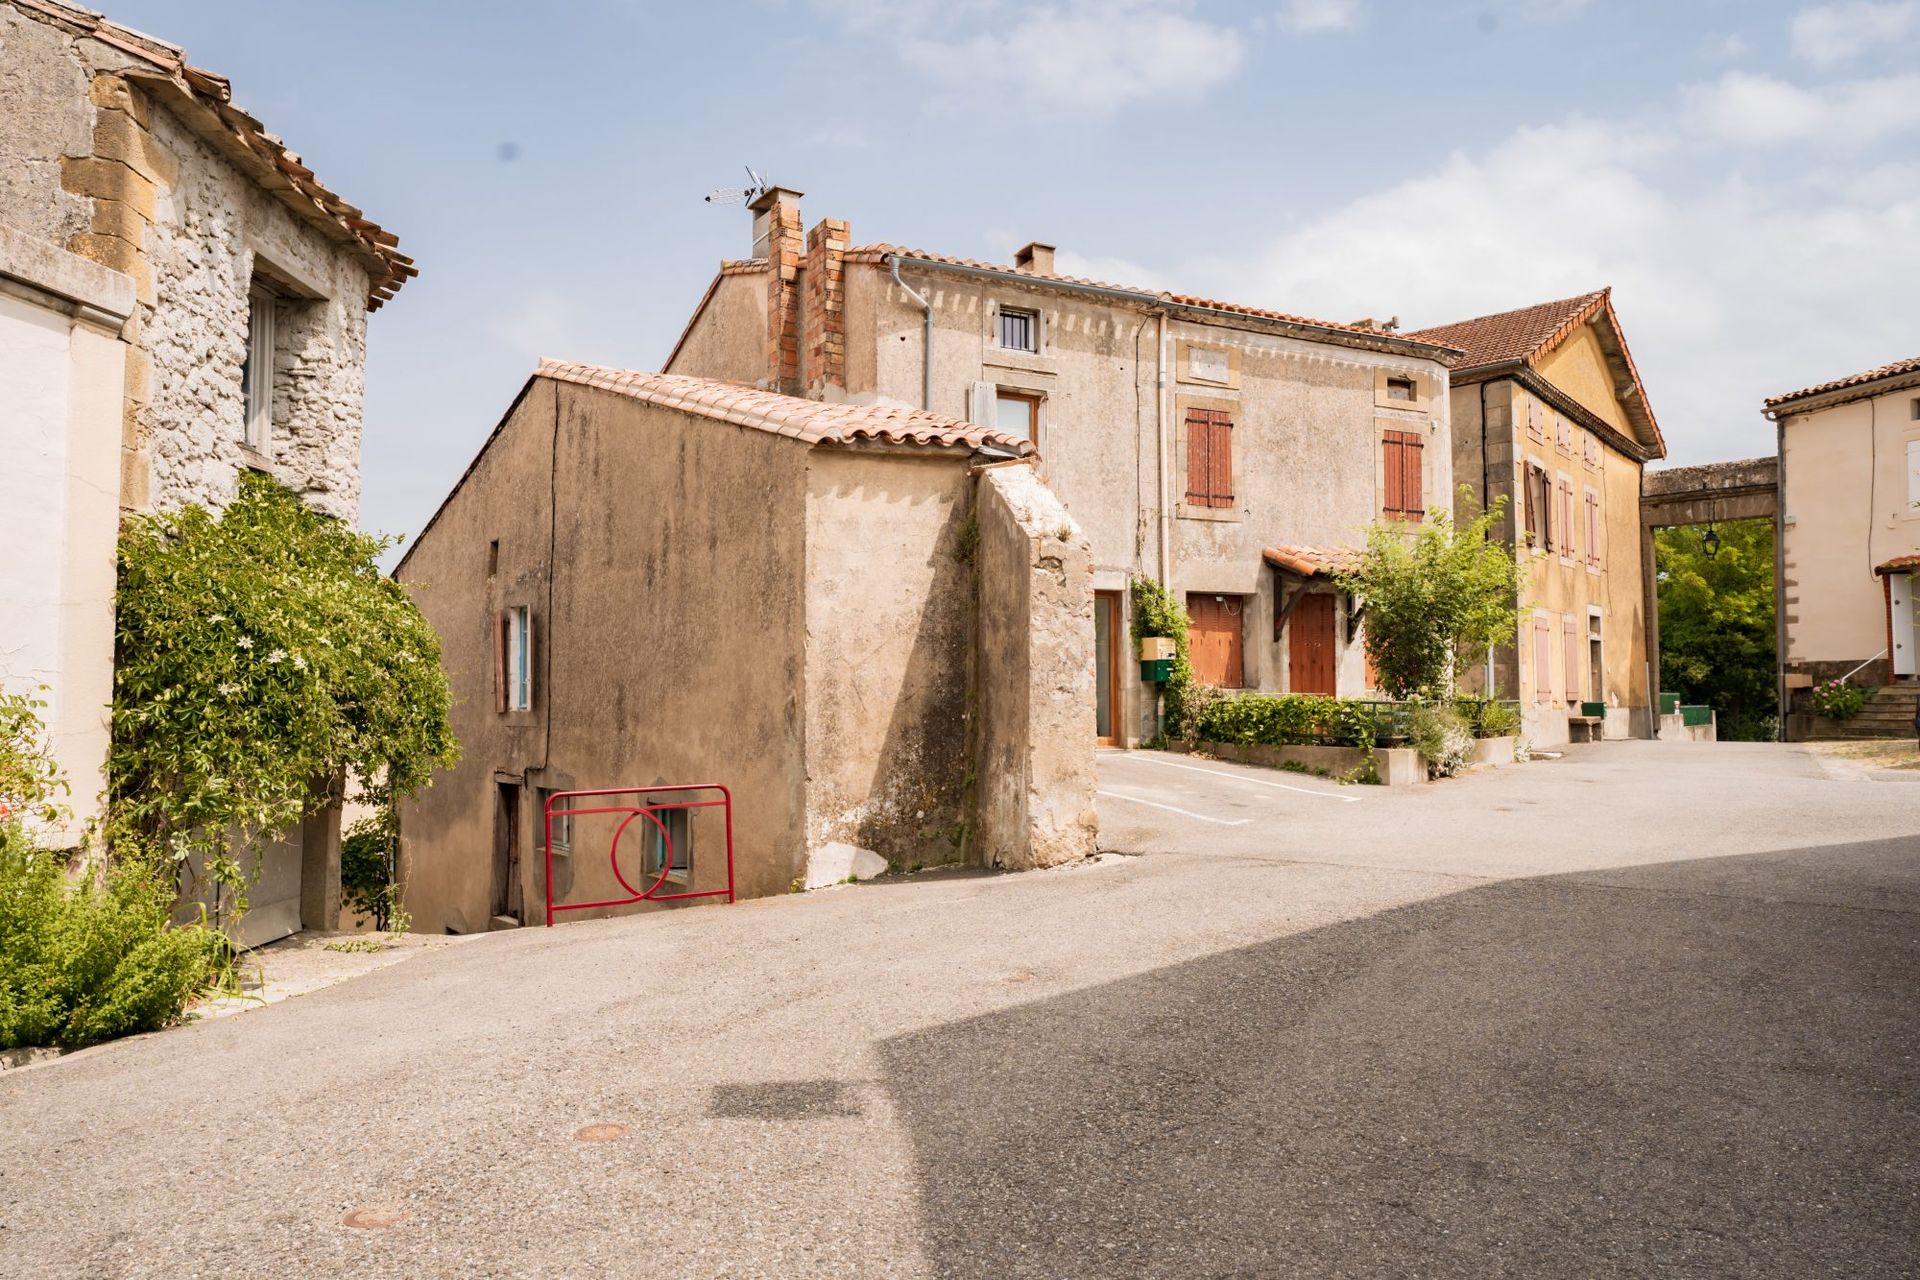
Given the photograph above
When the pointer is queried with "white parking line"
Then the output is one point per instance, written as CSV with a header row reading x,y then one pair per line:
x,y
1185,813
1258,782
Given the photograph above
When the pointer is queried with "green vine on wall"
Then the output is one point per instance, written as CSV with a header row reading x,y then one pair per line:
x,y
1157,612
258,654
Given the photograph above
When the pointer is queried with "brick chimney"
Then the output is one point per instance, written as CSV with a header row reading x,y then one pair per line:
x,y
823,311
1036,258
776,237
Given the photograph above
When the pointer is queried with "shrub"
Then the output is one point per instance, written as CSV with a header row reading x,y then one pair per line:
x,y
91,959
1441,734
368,856
1838,699
1289,720
1489,717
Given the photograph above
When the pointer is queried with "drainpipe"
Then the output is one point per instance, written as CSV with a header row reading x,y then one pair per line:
x,y
926,334
1160,438
1486,500
1780,572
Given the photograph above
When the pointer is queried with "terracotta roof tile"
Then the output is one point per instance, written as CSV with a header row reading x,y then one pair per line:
x,y
880,252
1899,564
204,102
1893,370
813,421
1513,335
1310,562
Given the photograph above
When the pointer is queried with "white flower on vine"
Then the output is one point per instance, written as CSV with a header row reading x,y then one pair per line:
x,y
277,656
245,642
227,688
216,617
299,663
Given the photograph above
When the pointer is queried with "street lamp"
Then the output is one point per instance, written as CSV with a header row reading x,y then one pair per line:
x,y
1711,542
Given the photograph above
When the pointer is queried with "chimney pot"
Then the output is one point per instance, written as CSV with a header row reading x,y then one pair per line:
x,y
1036,258
763,209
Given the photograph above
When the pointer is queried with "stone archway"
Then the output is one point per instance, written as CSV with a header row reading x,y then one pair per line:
x,y
1715,492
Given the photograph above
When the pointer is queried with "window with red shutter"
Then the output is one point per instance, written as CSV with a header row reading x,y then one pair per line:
x,y
1220,460
1402,469
1199,443
500,661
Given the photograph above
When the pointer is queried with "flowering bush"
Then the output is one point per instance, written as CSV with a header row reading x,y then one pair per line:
x,y
1838,700
258,653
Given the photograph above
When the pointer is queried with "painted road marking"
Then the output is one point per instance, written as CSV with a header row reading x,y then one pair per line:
x,y
1185,813
1258,782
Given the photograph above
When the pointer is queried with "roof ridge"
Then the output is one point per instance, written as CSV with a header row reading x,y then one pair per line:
x,y
1892,369
1584,299
814,421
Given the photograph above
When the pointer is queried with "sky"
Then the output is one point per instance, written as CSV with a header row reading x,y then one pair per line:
x,y
1746,175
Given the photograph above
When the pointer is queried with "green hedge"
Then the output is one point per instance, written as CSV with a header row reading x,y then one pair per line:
x,y
1304,719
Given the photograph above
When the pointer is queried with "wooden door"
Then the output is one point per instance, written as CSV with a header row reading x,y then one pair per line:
x,y
1310,645
1108,663
505,896
1213,640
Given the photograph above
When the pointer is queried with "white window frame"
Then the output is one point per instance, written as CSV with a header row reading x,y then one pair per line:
x,y
682,845
257,376
1913,476
519,659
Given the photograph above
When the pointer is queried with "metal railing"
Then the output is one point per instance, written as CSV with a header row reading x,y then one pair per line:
x,y
635,811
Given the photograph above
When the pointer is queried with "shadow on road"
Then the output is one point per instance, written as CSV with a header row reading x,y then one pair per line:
x,y
1698,1068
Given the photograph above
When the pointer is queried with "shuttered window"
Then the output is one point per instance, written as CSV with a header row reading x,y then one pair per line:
x,y
1566,517
513,659
1593,528
1405,497
1570,655
1542,660
1539,493
1209,458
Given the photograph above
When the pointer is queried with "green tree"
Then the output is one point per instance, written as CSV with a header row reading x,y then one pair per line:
x,y
1717,624
1437,599
257,652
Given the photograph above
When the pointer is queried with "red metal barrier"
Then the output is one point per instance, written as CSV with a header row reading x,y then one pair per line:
x,y
652,892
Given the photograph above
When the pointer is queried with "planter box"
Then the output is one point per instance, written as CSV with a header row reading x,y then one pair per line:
x,y
1397,766
1495,751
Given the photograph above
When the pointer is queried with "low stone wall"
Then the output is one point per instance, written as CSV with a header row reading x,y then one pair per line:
x,y
1397,766
1033,675
1493,751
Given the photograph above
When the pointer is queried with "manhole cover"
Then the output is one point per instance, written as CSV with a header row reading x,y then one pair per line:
x,y
601,1132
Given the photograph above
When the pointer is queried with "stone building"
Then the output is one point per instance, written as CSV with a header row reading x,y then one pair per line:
x,y
1230,452
1848,562
180,300
1550,414
872,625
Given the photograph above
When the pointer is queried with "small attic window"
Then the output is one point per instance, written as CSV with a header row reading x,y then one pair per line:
x,y
1400,389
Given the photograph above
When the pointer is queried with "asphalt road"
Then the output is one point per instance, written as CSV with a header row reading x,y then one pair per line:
x,y
1645,1010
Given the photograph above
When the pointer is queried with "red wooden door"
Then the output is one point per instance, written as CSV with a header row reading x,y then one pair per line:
x,y
1310,645
1213,640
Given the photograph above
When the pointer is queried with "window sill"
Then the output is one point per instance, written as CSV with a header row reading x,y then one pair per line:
x,y
1226,514
1024,361
254,460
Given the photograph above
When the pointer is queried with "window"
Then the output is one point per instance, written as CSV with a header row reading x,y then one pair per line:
x,y
1534,427
1590,451
1570,657
513,660
1019,330
1593,528
1017,415
1404,499
1565,521
256,373
1913,474
562,823
679,835
1563,436
1915,406
1209,458
1539,501
1542,660
1400,389
493,558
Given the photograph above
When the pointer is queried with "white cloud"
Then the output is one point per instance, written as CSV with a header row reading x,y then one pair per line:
x,y
1320,15
1756,109
1830,34
1727,48
1080,56
1729,290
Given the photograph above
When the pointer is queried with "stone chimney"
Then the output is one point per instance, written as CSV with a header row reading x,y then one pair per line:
x,y
823,311
776,237
1036,258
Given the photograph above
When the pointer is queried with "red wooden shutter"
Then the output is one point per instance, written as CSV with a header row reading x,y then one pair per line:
x,y
1199,438
1220,460
1533,513
500,661
1411,499
1390,453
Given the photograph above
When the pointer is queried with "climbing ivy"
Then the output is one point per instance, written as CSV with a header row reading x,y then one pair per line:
x,y
1156,612
258,652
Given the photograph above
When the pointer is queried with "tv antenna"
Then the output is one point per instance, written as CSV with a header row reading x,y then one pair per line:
x,y
739,195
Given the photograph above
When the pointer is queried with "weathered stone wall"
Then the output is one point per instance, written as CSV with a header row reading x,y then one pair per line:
x,y
1034,675
94,164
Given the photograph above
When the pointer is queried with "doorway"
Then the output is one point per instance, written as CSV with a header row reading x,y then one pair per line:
x,y
1108,662
1310,645
1213,640
1905,626
505,897
1596,666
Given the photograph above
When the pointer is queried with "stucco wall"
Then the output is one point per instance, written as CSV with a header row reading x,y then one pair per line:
x,y
889,599
728,338
670,653
58,509
1846,509
1034,663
